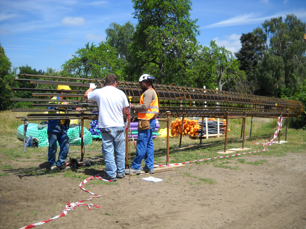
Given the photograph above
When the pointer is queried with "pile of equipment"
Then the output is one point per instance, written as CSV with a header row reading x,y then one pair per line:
x,y
40,132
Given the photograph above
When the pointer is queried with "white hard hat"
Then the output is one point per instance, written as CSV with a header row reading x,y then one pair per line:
x,y
146,77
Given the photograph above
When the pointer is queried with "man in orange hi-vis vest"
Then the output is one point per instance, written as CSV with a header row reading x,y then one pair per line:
x,y
147,112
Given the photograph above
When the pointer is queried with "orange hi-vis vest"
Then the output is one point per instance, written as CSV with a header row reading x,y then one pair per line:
x,y
153,108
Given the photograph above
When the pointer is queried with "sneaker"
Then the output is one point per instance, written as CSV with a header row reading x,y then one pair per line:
x,y
54,168
147,170
127,171
120,175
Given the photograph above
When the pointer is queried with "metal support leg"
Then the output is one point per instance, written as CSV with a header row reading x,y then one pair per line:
x,y
243,132
201,136
287,120
226,128
251,127
181,131
25,127
127,146
82,139
168,126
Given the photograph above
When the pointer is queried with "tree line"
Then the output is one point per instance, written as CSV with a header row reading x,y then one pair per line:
x,y
271,61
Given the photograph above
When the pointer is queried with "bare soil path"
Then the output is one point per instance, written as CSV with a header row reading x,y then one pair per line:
x,y
268,195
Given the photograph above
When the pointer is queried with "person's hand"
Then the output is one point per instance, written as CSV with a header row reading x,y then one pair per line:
x,y
92,85
132,107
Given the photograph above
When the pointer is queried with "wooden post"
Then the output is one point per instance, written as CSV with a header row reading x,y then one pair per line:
x,y
218,128
279,133
243,131
168,125
82,139
25,127
206,128
127,165
287,120
201,136
251,126
226,128
181,131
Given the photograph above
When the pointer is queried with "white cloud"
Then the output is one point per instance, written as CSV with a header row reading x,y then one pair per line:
x,y
232,43
238,20
6,16
253,19
94,37
234,37
265,1
74,21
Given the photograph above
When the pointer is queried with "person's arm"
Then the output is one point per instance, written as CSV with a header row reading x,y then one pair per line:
x,y
148,97
125,110
92,86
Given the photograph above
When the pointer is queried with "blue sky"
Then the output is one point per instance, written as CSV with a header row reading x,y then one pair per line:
x,y
45,33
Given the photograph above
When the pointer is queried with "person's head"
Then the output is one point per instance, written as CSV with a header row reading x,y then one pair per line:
x,y
146,81
111,79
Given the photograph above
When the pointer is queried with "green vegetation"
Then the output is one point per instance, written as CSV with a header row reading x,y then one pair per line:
x,y
262,129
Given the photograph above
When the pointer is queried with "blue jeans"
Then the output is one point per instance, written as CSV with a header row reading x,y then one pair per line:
x,y
63,141
145,147
113,141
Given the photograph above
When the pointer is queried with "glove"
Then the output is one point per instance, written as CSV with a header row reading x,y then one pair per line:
x,y
92,85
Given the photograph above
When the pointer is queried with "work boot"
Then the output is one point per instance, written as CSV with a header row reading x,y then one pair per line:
x,y
64,167
127,171
106,177
54,168
147,170
120,175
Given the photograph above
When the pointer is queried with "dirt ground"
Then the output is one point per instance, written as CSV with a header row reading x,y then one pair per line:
x,y
269,195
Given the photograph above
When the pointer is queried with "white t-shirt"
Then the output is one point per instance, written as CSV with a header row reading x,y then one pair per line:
x,y
111,102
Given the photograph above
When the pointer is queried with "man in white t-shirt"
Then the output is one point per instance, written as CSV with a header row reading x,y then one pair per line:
x,y
112,104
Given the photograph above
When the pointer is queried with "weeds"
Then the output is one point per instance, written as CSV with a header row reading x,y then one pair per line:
x,y
252,163
222,165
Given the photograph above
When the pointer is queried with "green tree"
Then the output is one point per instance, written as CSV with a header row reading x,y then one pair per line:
x,y
7,77
285,47
26,84
164,42
120,37
217,66
93,62
250,54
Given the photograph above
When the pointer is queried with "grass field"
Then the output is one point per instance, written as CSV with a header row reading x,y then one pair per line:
x,y
13,158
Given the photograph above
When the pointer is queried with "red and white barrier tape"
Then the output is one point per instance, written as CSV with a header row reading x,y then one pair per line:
x,y
207,159
277,130
71,206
